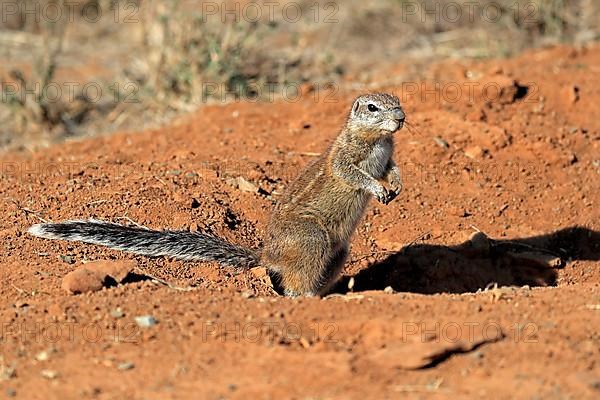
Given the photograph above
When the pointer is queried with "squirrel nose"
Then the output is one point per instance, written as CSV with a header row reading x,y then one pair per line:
x,y
398,114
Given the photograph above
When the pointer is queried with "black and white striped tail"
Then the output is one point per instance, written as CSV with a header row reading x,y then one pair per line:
x,y
138,240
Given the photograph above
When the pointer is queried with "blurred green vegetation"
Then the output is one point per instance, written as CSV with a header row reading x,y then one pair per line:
x,y
140,63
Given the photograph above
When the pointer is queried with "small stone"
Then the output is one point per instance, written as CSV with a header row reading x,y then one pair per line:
x,y
247,294
441,142
116,269
95,275
67,259
502,209
388,290
351,283
10,392
49,374
474,152
458,211
246,186
42,356
231,182
571,94
145,321
7,372
82,281
125,366
117,313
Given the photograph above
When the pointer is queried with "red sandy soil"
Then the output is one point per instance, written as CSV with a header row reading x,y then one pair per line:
x,y
522,166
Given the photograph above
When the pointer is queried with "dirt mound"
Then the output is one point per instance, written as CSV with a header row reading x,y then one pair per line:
x,y
488,263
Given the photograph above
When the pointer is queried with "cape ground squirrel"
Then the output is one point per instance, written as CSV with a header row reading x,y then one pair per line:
x,y
308,236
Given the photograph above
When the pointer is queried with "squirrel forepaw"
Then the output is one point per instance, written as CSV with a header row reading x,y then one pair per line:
x,y
381,194
385,196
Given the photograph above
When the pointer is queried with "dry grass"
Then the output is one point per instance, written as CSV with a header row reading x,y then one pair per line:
x,y
169,57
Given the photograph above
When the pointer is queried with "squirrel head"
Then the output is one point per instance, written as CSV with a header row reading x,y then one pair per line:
x,y
376,112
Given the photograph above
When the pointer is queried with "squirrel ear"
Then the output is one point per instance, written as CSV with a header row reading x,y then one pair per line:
x,y
355,106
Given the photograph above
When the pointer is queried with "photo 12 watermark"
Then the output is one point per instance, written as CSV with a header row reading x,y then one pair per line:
x,y
270,11
69,92
448,92
269,331
68,11
521,12
50,333
453,332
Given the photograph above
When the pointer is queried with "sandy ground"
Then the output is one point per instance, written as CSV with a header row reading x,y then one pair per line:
x,y
510,148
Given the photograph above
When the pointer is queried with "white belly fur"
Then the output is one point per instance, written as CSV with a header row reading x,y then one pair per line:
x,y
375,164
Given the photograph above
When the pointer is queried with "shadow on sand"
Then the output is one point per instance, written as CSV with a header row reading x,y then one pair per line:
x,y
477,263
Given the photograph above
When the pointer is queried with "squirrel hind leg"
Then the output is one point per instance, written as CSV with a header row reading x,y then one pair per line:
x,y
299,256
321,279
303,276
334,269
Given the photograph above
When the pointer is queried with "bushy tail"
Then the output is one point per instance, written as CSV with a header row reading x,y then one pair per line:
x,y
178,244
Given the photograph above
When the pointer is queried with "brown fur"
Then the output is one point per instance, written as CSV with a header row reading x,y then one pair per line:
x,y
309,233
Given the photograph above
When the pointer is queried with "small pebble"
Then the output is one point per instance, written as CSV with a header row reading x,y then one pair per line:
x,y
67,259
246,186
125,366
49,374
117,313
7,373
474,152
441,142
81,281
351,283
480,242
145,321
42,356
388,289
116,269
10,392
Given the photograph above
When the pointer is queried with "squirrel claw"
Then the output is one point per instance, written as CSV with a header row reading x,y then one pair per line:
x,y
386,196
392,194
382,195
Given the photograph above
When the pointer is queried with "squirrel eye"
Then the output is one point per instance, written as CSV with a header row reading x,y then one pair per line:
x,y
372,107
